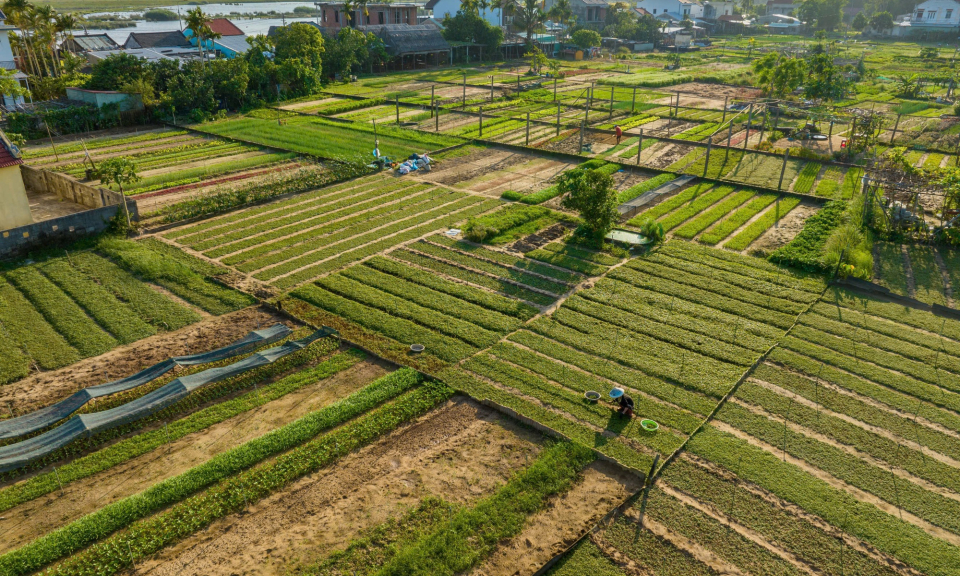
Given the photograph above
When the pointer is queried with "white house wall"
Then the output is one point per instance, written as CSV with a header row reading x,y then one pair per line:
x,y
936,13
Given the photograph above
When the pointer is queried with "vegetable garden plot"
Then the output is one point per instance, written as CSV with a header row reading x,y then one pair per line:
x,y
327,139
760,170
891,268
80,305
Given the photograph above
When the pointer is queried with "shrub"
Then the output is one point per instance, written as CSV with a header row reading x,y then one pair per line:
x,y
485,228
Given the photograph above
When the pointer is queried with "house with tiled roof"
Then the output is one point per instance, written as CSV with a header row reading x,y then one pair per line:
x,y
172,39
13,195
231,43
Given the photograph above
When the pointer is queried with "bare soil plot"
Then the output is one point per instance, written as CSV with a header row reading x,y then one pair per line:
x,y
459,452
667,155
49,206
531,175
37,517
711,95
827,146
45,388
602,488
785,230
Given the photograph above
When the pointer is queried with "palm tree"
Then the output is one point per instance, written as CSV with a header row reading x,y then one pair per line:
x,y
17,12
199,24
63,25
561,13
349,6
526,15
45,34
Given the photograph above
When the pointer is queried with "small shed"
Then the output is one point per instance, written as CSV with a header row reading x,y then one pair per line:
x,y
173,39
100,98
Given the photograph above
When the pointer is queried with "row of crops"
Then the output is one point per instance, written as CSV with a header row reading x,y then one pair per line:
x,y
917,271
294,241
164,158
86,303
719,215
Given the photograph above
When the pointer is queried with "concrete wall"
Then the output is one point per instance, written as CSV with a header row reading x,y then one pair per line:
x,y
67,188
14,206
66,229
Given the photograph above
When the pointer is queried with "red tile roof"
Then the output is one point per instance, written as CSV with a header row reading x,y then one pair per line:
x,y
7,159
225,27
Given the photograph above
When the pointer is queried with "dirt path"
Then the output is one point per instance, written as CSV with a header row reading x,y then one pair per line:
x,y
602,487
33,519
46,388
460,452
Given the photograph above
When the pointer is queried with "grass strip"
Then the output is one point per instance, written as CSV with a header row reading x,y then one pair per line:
x,y
446,348
729,545
805,179
739,217
156,309
571,249
368,245
612,447
707,218
773,215
474,277
775,523
885,531
894,312
365,555
830,182
507,259
568,262
481,298
129,448
654,555
31,332
586,558
695,207
501,270
671,204
174,276
472,534
927,278
65,315
930,506
230,487
440,322
429,298
115,316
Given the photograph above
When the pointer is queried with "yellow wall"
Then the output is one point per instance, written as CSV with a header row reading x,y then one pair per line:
x,y
14,207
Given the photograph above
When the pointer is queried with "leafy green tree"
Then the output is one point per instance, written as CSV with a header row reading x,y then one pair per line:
x,y
591,193
859,22
230,79
119,171
10,85
117,70
344,51
469,27
824,79
298,50
881,21
584,38
191,90
778,75
822,14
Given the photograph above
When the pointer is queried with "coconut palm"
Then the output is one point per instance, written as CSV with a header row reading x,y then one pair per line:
x,y
199,23
527,16
18,14
45,35
561,13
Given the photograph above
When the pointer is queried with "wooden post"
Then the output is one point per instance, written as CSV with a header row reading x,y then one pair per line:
x,y
558,119
746,138
50,136
463,104
639,146
783,169
729,136
830,135
763,125
491,88
633,104
528,129
724,119
554,89
481,122
518,80
586,113
436,120
895,126
398,109
432,98
611,102
582,124
706,163
676,110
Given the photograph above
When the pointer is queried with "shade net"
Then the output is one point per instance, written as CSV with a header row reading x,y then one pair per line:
x,y
22,453
28,423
